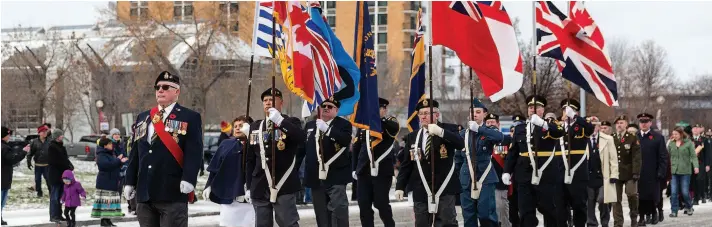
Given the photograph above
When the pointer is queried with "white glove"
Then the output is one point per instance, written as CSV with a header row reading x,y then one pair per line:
x,y
506,179
240,199
129,192
186,187
353,174
321,125
399,195
435,130
473,126
570,112
275,116
536,120
247,196
245,129
206,193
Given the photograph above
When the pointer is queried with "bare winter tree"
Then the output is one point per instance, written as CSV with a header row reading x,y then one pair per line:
x,y
649,77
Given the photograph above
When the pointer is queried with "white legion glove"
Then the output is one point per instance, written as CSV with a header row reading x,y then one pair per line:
x,y
506,179
473,126
240,199
247,196
435,130
245,129
570,112
206,194
399,195
129,192
536,120
275,116
186,187
353,174
321,125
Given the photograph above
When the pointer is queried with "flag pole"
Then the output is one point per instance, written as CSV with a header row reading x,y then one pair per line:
x,y
274,98
568,96
472,116
247,112
536,138
430,82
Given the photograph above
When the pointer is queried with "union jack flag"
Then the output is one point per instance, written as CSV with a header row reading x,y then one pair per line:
x,y
581,60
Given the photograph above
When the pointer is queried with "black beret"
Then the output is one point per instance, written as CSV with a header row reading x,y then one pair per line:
x,y
573,103
383,102
492,116
168,77
268,92
697,126
426,103
606,123
332,101
642,115
621,118
517,118
541,101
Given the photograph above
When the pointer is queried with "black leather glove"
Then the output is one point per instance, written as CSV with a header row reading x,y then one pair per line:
x,y
29,164
613,180
636,177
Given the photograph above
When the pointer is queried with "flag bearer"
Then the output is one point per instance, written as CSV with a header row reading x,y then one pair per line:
x,y
433,145
375,180
275,182
535,160
478,202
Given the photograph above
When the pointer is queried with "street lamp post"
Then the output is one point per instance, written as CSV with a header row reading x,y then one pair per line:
x,y
103,124
660,100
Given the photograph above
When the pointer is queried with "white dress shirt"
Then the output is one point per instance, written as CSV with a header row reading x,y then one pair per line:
x,y
168,109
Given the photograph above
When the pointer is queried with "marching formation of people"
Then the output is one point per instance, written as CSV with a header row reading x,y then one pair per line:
x,y
564,168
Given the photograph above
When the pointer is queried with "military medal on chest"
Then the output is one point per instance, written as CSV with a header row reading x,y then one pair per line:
x,y
156,118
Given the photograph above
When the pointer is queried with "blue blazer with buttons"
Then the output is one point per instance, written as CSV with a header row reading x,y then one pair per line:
x,y
153,170
481,144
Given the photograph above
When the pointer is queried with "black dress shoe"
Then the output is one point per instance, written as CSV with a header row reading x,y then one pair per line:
x,y
655,219
661,217
108,221
641,221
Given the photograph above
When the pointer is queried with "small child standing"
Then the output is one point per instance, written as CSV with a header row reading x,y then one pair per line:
x,y
72,190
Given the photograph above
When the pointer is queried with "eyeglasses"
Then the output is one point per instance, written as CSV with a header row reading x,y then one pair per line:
x,y
328,107
165,87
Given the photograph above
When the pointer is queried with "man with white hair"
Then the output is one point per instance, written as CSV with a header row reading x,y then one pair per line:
x,y
428,167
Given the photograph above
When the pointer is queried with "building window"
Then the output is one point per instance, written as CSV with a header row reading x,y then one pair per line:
x,y
382,55
331,20
230,14
382,3
183,10
382,19
415,5
331,4
382,38
138,10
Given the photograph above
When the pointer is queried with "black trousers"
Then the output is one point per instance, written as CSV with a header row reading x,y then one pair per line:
x,y
69,214
514,207
446,215
158,214
576,198
700,181
542,197
331,205
375,191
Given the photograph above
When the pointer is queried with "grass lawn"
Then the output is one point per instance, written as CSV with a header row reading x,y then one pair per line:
x,y
20,197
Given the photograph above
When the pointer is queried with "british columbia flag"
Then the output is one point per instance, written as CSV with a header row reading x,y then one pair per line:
x,y
582,61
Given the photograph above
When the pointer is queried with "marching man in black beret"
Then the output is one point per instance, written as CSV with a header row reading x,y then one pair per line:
x,y
373,167
328,165
429,151
534,157
275,180
167,155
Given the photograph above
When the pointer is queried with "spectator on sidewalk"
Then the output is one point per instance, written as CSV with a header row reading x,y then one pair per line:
x,y
58,162
72,191
107,202
38,152
10,158
119,149
683,163
226,180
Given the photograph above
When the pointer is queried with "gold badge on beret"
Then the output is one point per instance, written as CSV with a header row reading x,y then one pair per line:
x,y
443,151
425,102
281,145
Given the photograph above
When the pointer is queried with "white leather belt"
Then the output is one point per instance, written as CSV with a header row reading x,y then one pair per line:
x,y
474,193
374,165
570,173
274,190
536,173
324,167
432,202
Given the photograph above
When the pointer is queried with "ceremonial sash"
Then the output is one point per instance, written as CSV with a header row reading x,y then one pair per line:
x,y
432,204
374,166
170,144
274,189
568,176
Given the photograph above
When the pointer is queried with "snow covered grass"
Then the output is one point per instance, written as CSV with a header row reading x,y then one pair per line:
x,y
20,197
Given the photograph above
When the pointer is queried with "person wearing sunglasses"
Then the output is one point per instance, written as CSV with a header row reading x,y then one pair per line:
x,y
374,181
653,170
328,164
273,160
435,142
168,153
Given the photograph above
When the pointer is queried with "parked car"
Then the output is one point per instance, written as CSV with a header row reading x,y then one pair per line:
x,y
210,145
85,149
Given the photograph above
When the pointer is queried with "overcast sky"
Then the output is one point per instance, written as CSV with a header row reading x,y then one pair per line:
x,y
684,29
